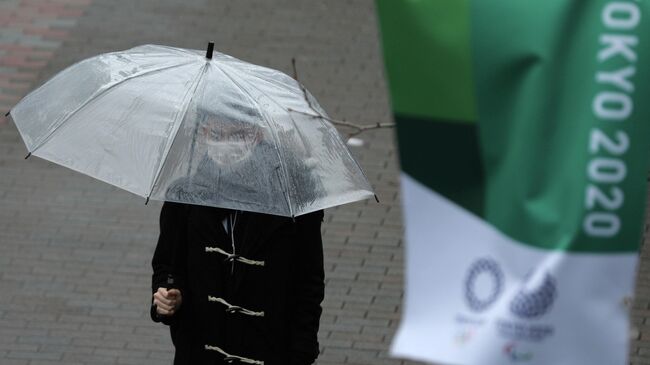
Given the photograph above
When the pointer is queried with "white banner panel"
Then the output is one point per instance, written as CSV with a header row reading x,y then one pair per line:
x,y
475,297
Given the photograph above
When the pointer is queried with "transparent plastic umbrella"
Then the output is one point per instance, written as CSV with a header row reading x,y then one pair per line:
x,y
181,125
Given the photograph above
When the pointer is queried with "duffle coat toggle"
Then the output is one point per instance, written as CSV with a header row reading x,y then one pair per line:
x,y
233,257
232,358
234,308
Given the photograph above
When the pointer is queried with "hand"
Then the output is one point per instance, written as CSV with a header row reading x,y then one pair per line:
x,y
166,301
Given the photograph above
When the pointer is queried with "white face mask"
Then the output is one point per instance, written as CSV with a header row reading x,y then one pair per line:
x,y
228,152
229,147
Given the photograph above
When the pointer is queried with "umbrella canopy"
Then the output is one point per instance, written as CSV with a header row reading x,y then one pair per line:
x,y
172,124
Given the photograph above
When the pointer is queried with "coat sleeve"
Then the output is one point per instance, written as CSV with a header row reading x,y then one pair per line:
x,y
309,289
170,257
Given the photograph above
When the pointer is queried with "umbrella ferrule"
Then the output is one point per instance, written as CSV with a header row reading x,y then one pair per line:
x,y
208,53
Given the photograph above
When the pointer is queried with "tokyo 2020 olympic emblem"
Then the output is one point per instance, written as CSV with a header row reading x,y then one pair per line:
x,y
485,269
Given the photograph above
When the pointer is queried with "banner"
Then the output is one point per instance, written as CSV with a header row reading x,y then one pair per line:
x,y
524,137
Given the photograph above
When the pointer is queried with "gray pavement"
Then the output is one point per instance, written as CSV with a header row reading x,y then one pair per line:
x,y
75,253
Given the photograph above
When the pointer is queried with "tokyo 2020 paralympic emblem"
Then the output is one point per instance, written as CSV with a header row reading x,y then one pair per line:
x,y
491,270
533,303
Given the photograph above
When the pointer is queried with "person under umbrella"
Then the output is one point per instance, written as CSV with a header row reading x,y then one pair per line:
x,y
236,286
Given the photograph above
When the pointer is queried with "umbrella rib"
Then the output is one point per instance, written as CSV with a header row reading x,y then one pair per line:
x,y
275,138
95,96
181,115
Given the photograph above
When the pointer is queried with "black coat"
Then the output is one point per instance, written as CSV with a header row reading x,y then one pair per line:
x,y
288,288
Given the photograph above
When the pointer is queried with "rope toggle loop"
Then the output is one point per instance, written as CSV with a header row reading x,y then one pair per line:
x,y
231,257
235,308
234,257
231,358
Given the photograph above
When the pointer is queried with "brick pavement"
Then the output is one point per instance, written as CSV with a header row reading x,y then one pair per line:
x,y
75,253
640,314
31,31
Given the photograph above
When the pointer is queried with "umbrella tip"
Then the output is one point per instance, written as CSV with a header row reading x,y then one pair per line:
x,y
376,198
7,113
146,201
29,154
208,53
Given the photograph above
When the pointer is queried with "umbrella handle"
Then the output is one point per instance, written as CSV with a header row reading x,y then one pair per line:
x,y
170,281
